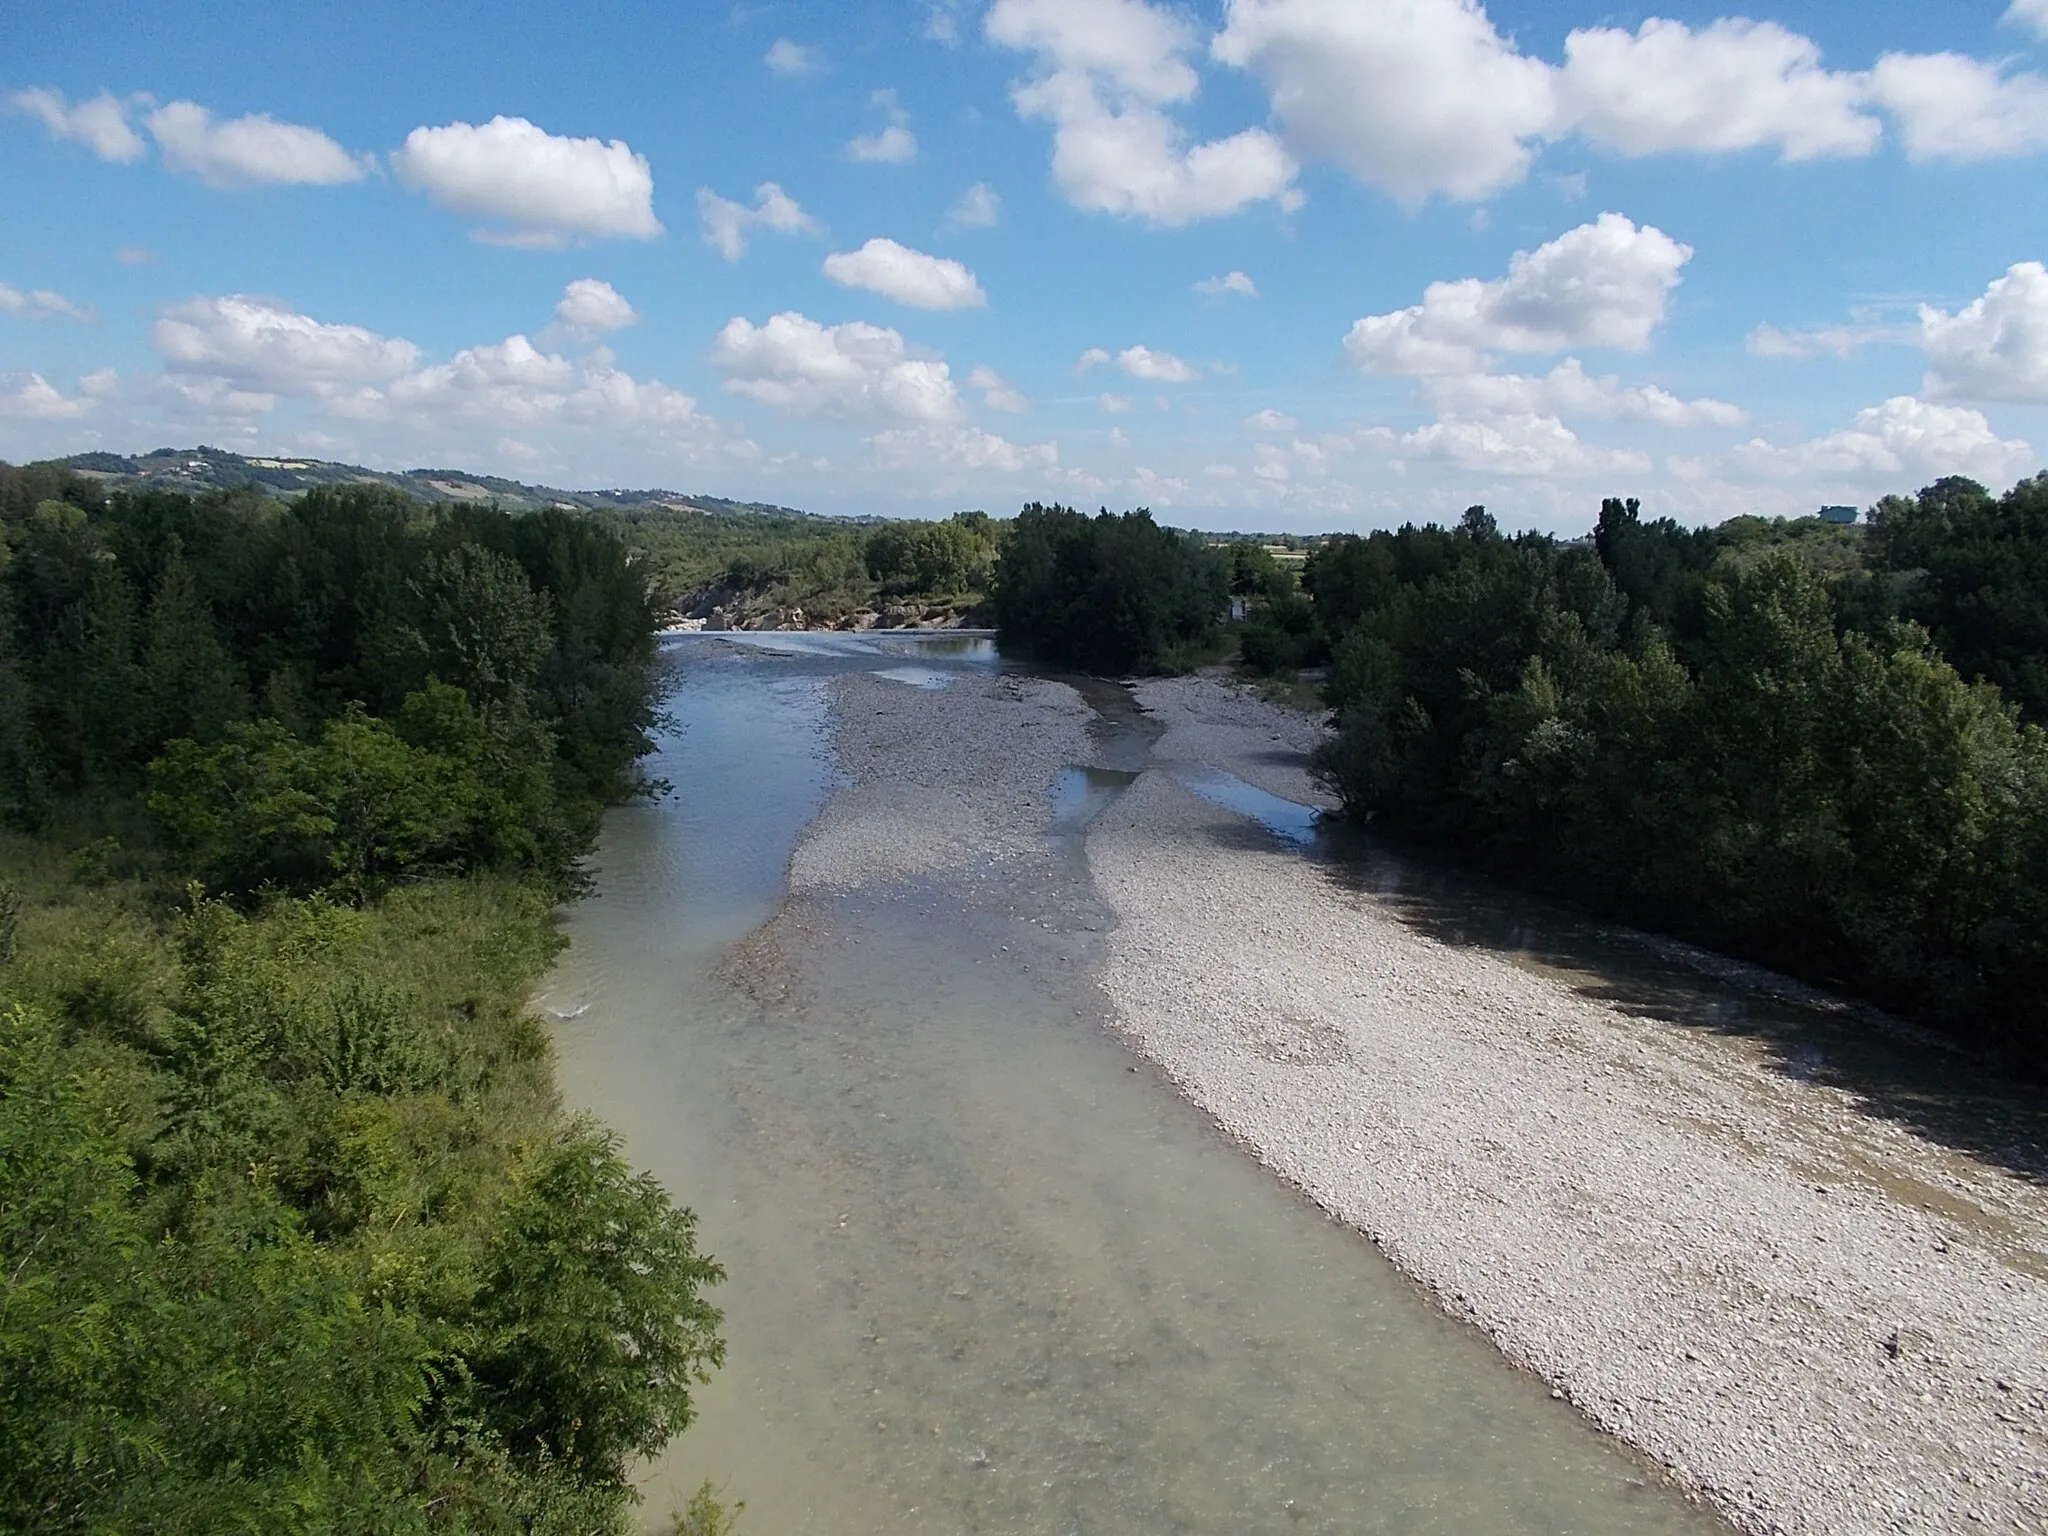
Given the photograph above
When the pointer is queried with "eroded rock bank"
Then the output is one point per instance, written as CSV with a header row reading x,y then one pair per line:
x,y
1823,1319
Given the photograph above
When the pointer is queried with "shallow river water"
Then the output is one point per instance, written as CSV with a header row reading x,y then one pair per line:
x,y
988,1272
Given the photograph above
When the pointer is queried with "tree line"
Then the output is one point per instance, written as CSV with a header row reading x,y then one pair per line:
x,y
1815,745
294,1234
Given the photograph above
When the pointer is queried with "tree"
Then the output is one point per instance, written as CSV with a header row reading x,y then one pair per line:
x,y
487,630
590,1327
192,686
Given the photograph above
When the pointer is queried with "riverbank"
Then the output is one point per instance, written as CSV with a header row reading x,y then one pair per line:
x,y
1720,1244
1823,1320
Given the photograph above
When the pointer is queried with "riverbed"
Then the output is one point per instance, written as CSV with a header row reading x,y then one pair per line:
x,y
975,1013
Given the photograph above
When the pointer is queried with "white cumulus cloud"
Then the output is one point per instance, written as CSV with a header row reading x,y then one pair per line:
x,y
2029,13
907,276
41,304
726,222
790,59
195,397
99,123
31,397
1413,97
1568,390
996,392
1734,84
1134,46
1420,98
895,144
591,307
515,385
1603,284
548,190
1531,445
1157,367
1903,436
1996,346
977,208
1107,70
1229,282
1270,420
799,366
251,151
260,345
1954,108
513,394
958,448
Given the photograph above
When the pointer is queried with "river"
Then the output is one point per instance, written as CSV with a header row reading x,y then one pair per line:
x,y
988,1270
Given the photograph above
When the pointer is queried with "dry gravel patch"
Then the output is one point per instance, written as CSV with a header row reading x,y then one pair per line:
x,y
1822,1320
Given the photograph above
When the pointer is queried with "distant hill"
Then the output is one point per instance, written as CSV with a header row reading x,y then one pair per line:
x,y
203,469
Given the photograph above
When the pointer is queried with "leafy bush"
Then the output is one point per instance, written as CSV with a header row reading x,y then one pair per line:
x,y
291,1235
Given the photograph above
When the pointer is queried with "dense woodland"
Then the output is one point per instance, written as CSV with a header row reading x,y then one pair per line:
x,y
1817,745
293,1233
1115,594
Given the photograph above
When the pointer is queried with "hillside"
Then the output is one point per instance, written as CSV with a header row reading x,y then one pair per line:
x,y
201,469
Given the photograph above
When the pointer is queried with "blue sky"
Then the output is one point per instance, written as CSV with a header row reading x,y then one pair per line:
x,y
1279,264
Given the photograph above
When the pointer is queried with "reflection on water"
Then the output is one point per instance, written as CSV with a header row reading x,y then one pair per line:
x,y
1081,794
1286,819
917,677
988,1273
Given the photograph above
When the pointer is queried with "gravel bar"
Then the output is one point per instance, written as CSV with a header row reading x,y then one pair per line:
x,y
1820,1319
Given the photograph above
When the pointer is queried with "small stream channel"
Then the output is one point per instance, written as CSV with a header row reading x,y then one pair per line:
x,y
989,1273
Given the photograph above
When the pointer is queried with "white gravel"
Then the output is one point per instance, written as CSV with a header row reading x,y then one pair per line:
x,y
1819,1319
1715,1261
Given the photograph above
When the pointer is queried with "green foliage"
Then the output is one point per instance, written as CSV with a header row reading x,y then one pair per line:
x,y
1719,731
1281,635
1974,570
1107,594
582,1346
287,692
764,562
1254,572
931,559
706,1514
293,1235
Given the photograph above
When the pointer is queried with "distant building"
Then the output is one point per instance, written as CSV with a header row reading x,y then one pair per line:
x,y
1838,514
